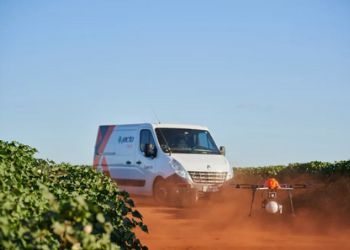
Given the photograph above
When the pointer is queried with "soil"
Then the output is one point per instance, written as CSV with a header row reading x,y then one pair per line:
x,y
321,221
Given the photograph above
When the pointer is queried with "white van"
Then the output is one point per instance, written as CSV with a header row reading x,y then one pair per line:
x,y
170,162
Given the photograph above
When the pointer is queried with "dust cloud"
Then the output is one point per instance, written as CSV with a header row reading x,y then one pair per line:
x,y
221,221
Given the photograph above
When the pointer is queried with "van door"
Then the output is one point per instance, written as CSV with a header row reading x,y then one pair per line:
x,y
122,163
147,164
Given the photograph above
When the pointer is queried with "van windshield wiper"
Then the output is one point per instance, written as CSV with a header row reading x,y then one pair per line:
x,y
201,150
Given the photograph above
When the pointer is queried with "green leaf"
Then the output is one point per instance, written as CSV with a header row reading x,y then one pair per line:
x,y
136,214
100,218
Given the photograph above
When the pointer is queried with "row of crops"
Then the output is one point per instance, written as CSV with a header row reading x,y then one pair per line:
x,y
44,205
314,168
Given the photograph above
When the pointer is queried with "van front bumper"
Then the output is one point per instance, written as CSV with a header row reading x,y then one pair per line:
x,y
180,185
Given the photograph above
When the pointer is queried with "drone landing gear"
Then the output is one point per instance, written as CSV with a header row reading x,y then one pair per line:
x,y
272,195
291,201
251,205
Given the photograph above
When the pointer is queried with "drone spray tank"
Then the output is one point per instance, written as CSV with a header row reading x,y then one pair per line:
x,y
270,203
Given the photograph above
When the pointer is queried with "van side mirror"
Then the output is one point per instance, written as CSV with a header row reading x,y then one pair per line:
x,y
166,148
222,150
150,150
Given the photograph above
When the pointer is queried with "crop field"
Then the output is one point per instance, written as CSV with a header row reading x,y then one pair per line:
x,y
58,206
45,205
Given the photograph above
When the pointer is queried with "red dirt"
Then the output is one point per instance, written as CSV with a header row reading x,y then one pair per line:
x,y
322,221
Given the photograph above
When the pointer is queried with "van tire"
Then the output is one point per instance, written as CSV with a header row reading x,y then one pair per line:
x,y
189,199
160,191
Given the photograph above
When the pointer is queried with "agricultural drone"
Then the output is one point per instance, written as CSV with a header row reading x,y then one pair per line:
x,y
270,189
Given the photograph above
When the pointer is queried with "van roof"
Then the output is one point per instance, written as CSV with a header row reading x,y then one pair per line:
x,y
169,125
164,125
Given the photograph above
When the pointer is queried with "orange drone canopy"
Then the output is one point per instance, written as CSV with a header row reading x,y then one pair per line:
x,y
271,183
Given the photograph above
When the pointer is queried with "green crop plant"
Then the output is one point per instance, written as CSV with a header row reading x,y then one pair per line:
x,y
44,205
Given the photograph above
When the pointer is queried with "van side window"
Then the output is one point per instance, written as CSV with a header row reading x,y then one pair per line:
x,y
145,137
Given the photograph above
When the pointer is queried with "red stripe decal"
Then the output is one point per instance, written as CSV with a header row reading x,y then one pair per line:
x,y
105,139
99,137
96,161
105,167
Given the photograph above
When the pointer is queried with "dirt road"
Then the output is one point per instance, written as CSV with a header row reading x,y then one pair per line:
x,y
222,222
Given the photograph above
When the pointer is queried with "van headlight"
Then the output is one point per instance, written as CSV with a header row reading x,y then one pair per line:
x,y
179,169
229,174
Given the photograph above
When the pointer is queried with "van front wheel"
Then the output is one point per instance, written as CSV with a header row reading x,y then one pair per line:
x,y
160,192
189,198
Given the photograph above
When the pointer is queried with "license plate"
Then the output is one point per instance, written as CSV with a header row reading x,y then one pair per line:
x,y
210,189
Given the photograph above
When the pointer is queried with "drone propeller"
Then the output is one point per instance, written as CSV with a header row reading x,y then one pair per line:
x,y
271,183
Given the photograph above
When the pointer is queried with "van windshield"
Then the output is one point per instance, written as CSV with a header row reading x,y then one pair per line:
x,y
188,141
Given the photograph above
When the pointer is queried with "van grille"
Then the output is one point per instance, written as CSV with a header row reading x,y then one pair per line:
x,y
208,177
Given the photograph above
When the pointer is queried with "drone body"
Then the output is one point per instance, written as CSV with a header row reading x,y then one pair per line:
x,y
270,189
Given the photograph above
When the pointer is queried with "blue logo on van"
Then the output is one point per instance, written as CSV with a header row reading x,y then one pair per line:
x,y
125,139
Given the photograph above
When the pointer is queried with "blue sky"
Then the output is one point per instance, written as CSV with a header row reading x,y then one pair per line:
x,y
271,79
